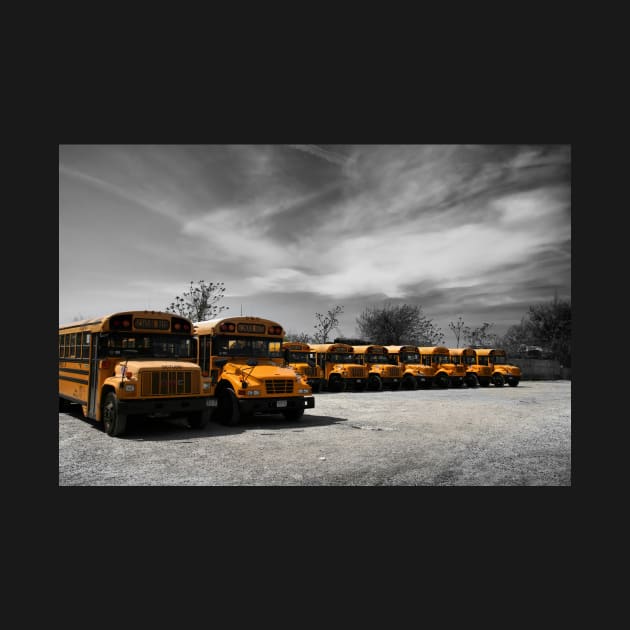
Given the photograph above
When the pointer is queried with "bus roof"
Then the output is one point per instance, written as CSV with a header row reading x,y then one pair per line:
x,y
433,350
331,347
484,352
295,345
374,348
210,326
394,349
457,352
101,321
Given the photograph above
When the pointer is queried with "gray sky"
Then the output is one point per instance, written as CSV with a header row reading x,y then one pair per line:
x,y
477,231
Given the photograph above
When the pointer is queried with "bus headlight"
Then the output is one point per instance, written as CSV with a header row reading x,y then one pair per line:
x,y
206,386
303,391
253,392
130,387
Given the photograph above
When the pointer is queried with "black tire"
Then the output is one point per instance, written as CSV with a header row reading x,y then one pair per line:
x,y
442,380
498,380
374,384
228,411
114,422
316,387
472,380
293,415
64,405
409,382
513,382
336,385
199,419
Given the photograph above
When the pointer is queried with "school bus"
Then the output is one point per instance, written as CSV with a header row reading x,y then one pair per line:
x,y
475,374
299,356
502,371
341,369
446,373
132,362
383,370
414,373
239,357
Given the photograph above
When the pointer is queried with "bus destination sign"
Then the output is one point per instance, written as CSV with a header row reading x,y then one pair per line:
x,y
145,323
258,329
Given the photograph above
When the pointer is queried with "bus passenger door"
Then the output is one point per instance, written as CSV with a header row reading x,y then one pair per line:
x,y
93,381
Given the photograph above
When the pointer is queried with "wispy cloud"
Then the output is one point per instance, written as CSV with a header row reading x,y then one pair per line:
x,y
325,154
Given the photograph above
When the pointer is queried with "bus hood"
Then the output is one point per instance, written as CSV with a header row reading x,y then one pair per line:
x,y
135,366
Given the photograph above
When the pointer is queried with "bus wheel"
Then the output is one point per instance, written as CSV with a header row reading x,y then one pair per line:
x,y
441,380
336,385
228,411
513,382
375,384
498,380
64,405
472,381
409,382
199,419
114,422
293,414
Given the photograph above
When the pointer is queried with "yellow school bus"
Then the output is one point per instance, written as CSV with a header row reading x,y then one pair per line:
x,y
502,371
414,373
475,374
132,362
383,370
341,369
240,356
446,373
301,358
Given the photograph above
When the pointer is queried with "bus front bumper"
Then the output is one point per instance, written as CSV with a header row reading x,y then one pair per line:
x,y
166,407
274,405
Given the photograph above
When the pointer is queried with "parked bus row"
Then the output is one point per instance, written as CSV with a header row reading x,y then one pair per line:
x,y
337,367
158,365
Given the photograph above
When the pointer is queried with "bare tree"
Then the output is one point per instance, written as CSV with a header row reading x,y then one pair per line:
x,y
326,323
200,303
480,336
457,329
302,337
398,325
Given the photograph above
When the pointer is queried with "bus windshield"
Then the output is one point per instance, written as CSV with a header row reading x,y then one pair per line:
x,y
441,358
303,357
410,357
468,359
377,358
231,346
499,359
338,357
149,346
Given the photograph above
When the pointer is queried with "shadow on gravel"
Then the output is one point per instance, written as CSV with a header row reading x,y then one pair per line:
x,y
163,429
147,430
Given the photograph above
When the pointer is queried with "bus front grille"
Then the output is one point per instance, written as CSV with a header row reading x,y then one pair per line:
x,y
279,386
392,371
169,383
356,372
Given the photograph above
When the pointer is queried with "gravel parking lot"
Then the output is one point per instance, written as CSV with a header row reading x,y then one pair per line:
x,y
456,437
